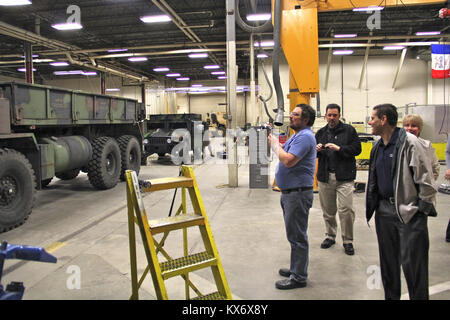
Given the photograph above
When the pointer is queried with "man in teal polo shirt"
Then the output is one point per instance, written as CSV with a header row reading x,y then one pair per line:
x,y
295,178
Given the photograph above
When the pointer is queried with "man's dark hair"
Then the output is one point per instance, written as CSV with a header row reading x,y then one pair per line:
x,y
333,106
307,113
388,110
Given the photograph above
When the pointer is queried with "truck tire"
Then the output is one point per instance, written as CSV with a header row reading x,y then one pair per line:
x,y
17,189
68,175
130,154
104,167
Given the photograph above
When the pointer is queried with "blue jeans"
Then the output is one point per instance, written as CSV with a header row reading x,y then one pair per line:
x,y
296,207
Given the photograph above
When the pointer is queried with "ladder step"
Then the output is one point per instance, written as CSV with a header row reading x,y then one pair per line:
x,y
183,265
212,296
176,222
167,183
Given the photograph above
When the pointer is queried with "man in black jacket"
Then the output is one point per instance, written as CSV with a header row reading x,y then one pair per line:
x,y
337,145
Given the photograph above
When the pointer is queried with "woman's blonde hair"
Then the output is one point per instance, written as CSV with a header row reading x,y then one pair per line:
x,y
414,119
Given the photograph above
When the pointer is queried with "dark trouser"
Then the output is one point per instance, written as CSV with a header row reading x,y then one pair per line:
x,y
296,207
403,245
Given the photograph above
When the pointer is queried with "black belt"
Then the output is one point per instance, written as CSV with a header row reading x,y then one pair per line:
x,y
296,189
391,200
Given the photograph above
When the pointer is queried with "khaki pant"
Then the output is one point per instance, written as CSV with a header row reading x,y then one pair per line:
x,y
337,196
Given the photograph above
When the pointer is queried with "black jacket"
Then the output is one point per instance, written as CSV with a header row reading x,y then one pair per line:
x,y
347,138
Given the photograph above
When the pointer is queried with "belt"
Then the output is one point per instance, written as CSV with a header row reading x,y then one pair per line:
x,y
391,200
296,189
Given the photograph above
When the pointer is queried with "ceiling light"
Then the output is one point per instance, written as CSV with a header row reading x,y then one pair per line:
x,y
67,26
267,43
393,47
160,69
173,75
33,56
342,52
371,8
183,79
259,17
198,55
23,69
117,50
66,73
262,55
137,59
89,73
155,19
59,64
348,35
428,33
197,85
112,90
214,66
222,77
218,72
14,2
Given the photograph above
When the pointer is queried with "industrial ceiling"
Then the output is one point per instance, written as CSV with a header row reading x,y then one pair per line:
x,y
196,25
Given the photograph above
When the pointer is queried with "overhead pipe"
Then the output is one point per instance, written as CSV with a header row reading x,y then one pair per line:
x,y
279,118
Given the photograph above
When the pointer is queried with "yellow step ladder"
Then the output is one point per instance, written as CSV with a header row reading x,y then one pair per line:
x,y
169,268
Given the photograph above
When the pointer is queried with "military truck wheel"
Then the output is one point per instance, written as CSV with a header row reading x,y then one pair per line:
x,y
105,164
130,153
68,175
17,189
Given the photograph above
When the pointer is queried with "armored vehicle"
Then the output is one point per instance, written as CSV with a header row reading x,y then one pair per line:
x,y
47,132
165,131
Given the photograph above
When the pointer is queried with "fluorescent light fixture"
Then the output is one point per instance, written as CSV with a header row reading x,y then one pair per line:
x,y
218,72
259,17
14,2
183,79
393,47
162,69
23,69
370,8
155,19
342,52
197,85
173,75
262,55
33,56
267,43
59,64
67,26
198,55
66,73
117,50
89,73
213,66
112,90
348,35
222,77
137,59
428,33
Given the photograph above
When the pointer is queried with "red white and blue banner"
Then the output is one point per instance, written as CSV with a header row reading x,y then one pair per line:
x,y
440,61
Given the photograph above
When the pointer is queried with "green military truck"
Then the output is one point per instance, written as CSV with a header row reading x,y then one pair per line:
x,y
47,132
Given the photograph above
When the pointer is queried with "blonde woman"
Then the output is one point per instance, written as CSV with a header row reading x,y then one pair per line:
x,y
413,123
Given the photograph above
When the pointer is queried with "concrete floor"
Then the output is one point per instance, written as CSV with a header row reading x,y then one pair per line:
x,y
87,231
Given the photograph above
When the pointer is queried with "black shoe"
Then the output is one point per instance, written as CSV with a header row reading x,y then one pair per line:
x,y
284,272
348,248
327,243
448,239
287,284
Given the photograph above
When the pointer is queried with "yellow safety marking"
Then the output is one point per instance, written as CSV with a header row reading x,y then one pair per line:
x,y
55,246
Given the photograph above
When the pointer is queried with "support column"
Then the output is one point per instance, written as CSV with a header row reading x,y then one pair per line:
x,y
231,92
252,78
28,62
103,82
